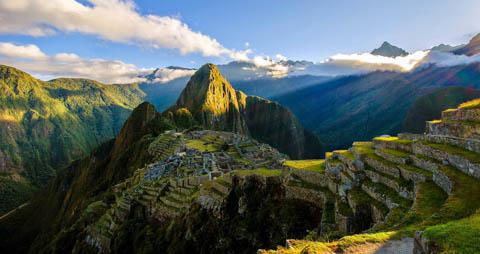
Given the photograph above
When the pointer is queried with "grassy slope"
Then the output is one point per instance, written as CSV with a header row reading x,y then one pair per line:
x,y
46,125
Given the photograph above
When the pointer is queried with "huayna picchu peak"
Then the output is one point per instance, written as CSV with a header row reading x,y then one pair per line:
x,y
214,104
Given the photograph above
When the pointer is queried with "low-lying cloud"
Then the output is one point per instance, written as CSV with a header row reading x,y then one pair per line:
x,y
33,60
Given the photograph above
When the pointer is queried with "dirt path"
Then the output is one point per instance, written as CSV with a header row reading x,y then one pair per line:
x,y
404,246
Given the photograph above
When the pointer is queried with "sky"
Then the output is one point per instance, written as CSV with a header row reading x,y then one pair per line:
x,y
124,37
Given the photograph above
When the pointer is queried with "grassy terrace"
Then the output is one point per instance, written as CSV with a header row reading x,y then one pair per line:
x,y
396,153
400,181
417,170
469,155
470,104
393,139
259,171
387,191
307,185
360,197
310,165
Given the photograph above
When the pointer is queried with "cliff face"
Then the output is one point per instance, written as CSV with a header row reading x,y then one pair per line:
x,y
212,101
217,106
271,123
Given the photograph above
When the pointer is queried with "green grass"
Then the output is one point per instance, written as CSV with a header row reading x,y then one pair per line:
x,y
304,246
396,153
393,139
310,165
461,236
390,193
201,145
470,104
454,150
259,171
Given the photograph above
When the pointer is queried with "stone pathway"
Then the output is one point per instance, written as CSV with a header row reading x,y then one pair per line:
x,y
404,246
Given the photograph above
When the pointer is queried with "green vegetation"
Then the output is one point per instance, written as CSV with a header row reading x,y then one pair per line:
x,y
467,154
393,139
460,236
310,165
50,124
470,104
303,246
430,106
259,171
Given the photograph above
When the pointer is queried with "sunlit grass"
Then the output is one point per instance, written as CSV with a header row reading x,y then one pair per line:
x,y
311,165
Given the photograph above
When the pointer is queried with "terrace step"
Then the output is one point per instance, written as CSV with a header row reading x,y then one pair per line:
x,y
399,185
464,160
392,155
385,195
461,114
466,143
394,143
460,129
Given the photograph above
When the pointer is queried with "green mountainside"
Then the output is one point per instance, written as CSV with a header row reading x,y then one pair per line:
x,y
46,125
361,107
430,106
156,189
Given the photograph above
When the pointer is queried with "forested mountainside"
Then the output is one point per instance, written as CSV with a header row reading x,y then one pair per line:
x,y
361,107
47,125
155,189
430,106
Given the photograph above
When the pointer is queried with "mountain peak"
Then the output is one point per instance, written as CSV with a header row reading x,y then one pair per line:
x,y
212,101
389,50
472,48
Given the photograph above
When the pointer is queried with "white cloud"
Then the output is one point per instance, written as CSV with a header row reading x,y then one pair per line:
x,y
164,75
31,59
445,59
28,51
114,20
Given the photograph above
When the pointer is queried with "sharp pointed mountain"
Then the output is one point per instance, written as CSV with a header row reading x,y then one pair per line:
x,y
212,101
214,104
389,50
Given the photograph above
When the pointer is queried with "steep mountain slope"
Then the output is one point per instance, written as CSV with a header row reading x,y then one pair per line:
x,y
430,106
361,107
214,104
472,48
389,50
212,101
46,125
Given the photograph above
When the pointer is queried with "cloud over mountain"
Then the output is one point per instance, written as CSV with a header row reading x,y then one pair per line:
x,y
113,20
33,59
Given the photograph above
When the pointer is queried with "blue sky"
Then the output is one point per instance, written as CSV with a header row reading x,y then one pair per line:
x,y
300,30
